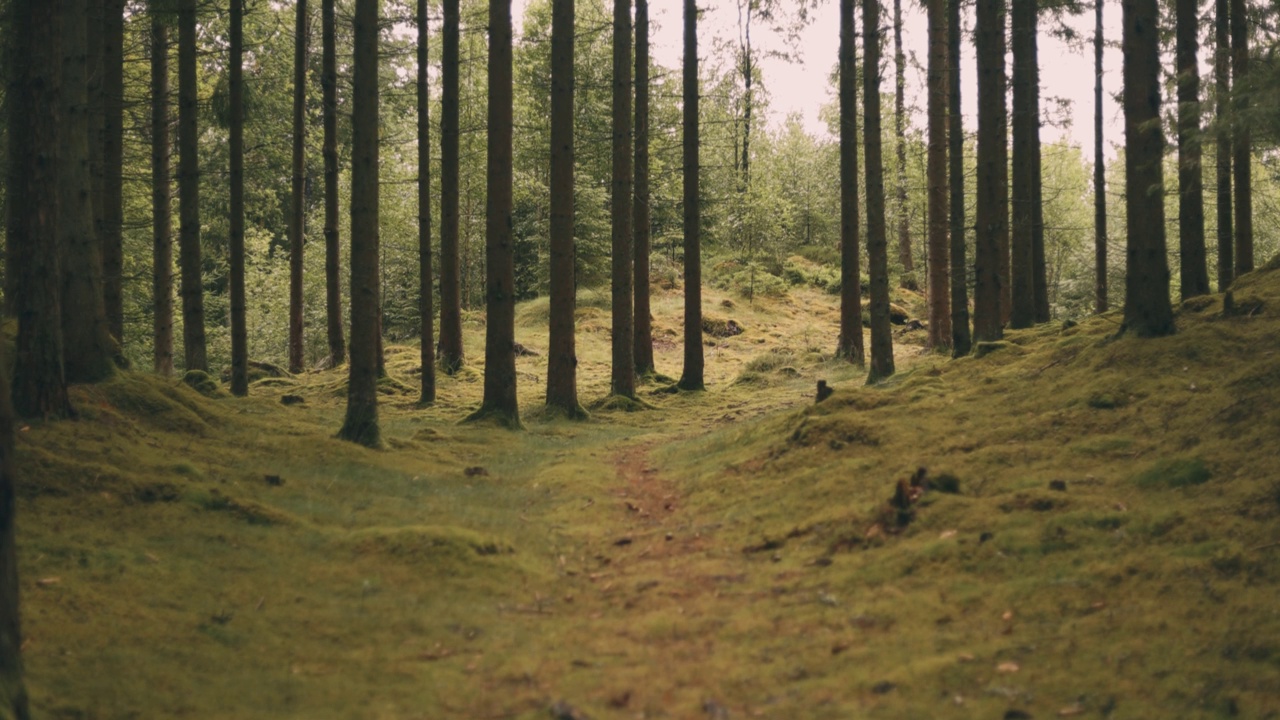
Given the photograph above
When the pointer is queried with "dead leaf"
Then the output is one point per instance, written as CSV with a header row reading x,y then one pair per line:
x,y
46,582
947,534
1007,668
1008,615
1071,710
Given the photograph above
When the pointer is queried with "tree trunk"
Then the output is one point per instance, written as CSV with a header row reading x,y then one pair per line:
x,y
643,344
1039,264
1147,310
39,384
192,285
451,357
1194,274
1099,171
88,348
1023,310
161,197
112,232
877,243
1242,147
332,248
624,364
992,240
499,338
13,691
426,289
961,340
239,330
562,357
691,377
361,422
900,141
851,344
939,250
297,212
1222,95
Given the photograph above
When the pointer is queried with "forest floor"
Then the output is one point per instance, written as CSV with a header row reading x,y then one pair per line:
x,y
1096,534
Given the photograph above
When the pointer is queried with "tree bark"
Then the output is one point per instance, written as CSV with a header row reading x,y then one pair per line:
x,y
881,365
1039,264
161,198
1242,146
1222,98
297,212
192,285
112,232
239,330
939,219
900,141
562,357
961,340
499,339
332,247
451,356
426,289
1099,171
991,256
1022,22
39,384
691,377
624,364
643,345
88,348
361,422
851,344
1147,310
1194,275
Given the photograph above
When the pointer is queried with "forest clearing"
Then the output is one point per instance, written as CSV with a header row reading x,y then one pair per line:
x,y
1098,540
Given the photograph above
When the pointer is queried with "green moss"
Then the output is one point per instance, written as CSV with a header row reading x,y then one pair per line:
x,y
1174,473
202,383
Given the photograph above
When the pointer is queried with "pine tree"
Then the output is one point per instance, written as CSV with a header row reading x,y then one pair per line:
x,y
692,376
1147,310
991,251
332,247
1222,95
426,309
624,363
961,340
939,218
851,344
192,282
1099,171
451,355
161,197
239,328
1242,142
1194,274
642,347
881,365
297,209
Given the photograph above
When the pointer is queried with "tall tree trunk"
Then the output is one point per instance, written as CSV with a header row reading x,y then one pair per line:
x,y
361,422
1022,26
1099,171
643,345
93,13
1039,263
88,348
851,343
747,66
877,243
161,197
299,166
961,340
939,219
39,383
13,691
1194,274
192,285
900,141
426,290
112,232
562,356
624,364
691,377
992,240
1221,99
1147,310
499,338
451,357
239,329
332,247
1242,148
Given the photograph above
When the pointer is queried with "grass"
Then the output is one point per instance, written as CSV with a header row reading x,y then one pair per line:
x,y
1096,537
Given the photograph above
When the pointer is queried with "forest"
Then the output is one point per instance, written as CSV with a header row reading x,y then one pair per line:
x,y
521,358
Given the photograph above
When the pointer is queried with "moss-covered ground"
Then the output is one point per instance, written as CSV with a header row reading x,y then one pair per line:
x,y
1097,534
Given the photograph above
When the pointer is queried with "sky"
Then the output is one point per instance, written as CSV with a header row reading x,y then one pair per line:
x,y
802,87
